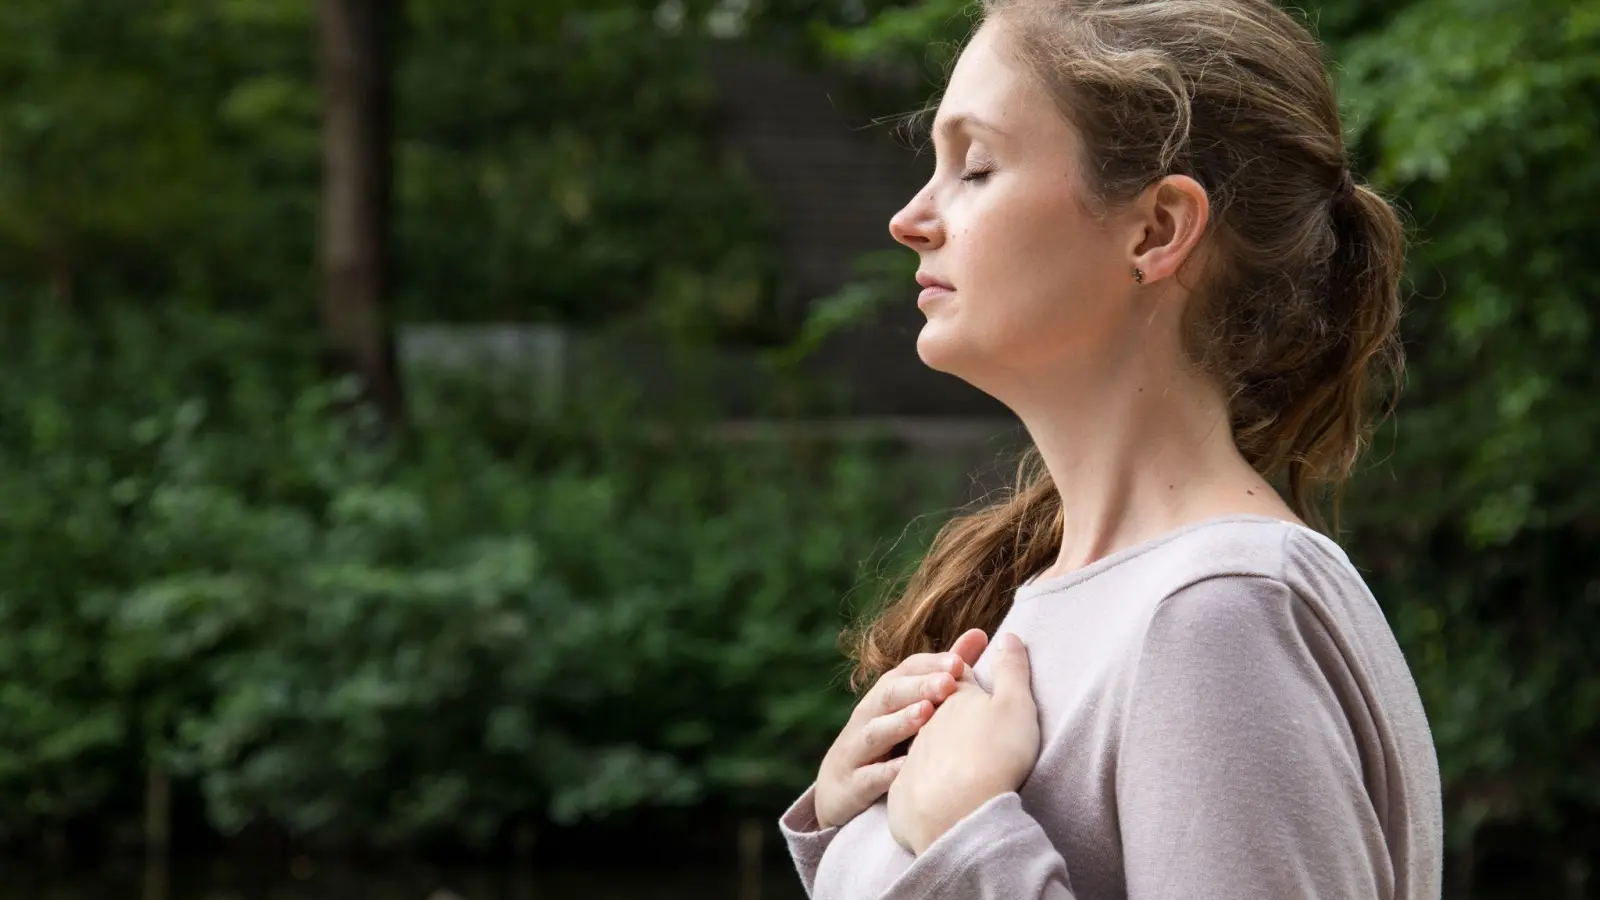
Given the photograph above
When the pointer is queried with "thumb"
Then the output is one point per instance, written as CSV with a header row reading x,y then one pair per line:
x,y
1010,670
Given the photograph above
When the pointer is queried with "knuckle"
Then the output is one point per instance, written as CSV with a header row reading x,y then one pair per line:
x,y
861,781
874,695
880,776
905,723
916,692
902,723
871,737
894,695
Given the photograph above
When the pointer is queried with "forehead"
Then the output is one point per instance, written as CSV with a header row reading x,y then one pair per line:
x,y
989,86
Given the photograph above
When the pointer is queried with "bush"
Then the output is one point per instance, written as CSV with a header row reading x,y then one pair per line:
x,y
214,567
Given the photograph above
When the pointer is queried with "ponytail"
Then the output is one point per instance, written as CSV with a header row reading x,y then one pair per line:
x,y
966,579
1322,416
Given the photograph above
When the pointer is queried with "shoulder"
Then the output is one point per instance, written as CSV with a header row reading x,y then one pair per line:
x,y
1243,552
1221,563
1230,645
1242,584
1265,608
1268,578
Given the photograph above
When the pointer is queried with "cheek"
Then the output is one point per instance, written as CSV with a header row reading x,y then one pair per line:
x,y
1034,280
1036,264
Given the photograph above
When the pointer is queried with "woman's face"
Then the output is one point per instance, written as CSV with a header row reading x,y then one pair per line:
x,y
1029,287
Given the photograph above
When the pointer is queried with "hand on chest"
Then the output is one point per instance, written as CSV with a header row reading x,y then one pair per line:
x,y
980,743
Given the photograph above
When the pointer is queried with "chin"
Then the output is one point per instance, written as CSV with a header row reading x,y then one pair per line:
x,y
944,349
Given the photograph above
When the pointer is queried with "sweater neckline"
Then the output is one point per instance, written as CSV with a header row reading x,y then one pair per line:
x,y
1036,588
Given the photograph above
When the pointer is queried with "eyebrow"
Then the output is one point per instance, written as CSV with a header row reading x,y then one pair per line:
x,y
968,121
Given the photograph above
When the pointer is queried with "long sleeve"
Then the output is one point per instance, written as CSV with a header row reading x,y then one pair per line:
x,y
805,839
998,852
1239,774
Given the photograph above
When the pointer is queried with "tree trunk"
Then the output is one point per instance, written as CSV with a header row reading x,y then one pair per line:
x,y
751,834
61,280
157,811
1461,869
157,832
354,68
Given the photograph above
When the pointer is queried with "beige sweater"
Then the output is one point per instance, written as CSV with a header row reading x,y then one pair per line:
x,y
1225,714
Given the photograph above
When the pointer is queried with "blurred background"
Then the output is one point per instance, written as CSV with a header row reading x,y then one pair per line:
x,y
441,442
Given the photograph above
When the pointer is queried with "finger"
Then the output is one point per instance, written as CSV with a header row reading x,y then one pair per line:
x,y
969,646
1011,672
880,735
927,664
871,782
899,693
875,701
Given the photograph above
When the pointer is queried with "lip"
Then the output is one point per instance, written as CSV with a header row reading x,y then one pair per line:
x,y
932,288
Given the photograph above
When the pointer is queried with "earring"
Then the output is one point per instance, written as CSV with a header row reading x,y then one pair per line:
x,y
1138,275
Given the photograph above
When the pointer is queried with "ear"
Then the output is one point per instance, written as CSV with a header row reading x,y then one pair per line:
x,y
1170,219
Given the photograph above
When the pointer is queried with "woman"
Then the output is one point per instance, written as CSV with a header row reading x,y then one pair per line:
x,y
1142,235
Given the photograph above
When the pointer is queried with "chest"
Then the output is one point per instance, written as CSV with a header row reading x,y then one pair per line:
x,y
1079,682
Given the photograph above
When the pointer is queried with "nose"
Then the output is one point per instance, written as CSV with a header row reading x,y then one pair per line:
x,y
917,225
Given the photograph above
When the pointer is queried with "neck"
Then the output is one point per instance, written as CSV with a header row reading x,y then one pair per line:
x,y
1138,456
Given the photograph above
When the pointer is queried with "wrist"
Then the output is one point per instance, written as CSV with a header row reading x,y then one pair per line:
x,y
823,812
930,830
933,827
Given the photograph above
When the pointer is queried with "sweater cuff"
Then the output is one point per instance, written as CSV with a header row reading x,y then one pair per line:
x,y
806,840
998,850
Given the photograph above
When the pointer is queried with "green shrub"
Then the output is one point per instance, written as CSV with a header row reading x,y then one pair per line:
x,y
212,570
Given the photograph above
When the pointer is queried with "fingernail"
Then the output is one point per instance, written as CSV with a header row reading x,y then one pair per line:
x,y
1007,642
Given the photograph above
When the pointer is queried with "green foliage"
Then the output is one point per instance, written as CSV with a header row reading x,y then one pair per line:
x,y
552,161
879,280
169,144
927,34
211,571
1481,117
579,152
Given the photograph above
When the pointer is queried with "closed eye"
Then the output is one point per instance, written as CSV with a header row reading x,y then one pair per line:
x,y
976,175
